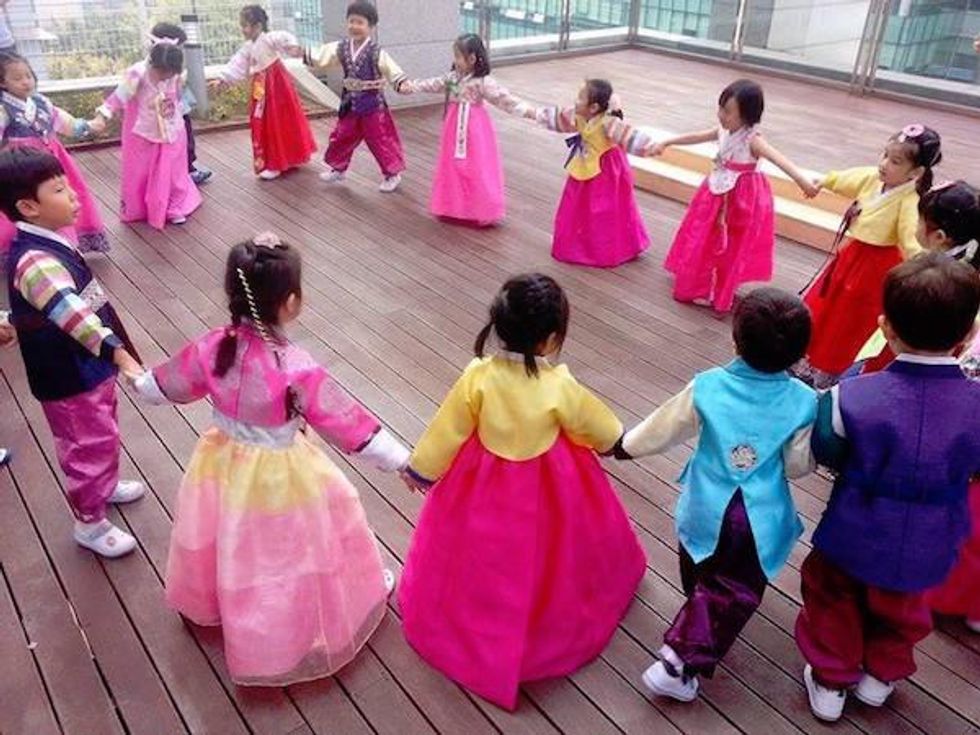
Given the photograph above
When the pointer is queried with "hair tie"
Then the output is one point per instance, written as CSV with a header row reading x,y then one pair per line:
x,y
252,308
910,132
161,40
267,239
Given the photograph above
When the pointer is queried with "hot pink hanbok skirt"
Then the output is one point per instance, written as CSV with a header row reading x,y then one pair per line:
x,y
518,570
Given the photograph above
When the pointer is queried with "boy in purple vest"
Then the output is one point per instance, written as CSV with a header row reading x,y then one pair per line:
x,y
71,342
364,113
905,444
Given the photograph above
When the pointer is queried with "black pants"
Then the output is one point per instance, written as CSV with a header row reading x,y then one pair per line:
x,y
191,152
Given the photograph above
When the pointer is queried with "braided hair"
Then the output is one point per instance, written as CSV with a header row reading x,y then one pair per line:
x,y
525,313
260,276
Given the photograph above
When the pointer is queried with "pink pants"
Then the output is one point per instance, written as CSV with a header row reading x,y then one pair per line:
x,y
378,130
847,628
86,440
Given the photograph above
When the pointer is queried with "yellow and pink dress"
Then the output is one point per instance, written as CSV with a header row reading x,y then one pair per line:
x,y
269,539
597,222
523,561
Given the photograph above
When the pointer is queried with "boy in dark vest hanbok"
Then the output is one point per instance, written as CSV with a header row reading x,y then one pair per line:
x,y
71,341
364,113
905,444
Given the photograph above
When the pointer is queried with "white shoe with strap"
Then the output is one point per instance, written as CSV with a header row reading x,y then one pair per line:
x,y
826,704
127,491
872,691
104,538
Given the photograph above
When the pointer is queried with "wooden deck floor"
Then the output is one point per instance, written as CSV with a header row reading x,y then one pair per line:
x,y
393,300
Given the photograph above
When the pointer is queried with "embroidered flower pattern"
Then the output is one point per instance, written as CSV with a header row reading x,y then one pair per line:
x,y
743,457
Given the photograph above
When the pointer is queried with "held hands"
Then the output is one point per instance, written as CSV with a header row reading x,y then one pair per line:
x,y
97,125
127,365
296,52
654,150
811,188
413,485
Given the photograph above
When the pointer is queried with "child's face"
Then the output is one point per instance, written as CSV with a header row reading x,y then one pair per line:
x,y
55,206
582,105
162,75
729,115
250,31
933,239
358,27
895,168
18,80
464,63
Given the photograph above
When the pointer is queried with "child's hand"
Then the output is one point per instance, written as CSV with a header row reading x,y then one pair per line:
x,y
810,188
127,364
217,85
97,125
295,51
414,485
657,149
8,335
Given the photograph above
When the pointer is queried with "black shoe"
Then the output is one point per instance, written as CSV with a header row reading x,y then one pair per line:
x,y
201,175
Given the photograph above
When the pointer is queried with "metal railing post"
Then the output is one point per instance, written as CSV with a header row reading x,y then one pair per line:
x,y
735,51
636,10
197,82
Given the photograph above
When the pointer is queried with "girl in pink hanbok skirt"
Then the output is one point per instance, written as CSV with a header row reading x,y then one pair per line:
x,y
523,561
469,179
31,119
270,539
156,185
728,234
598,222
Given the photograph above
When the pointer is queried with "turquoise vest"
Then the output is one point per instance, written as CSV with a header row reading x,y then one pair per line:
x,y
746,419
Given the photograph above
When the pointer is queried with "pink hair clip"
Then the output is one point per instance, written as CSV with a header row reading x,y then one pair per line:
x,y
267,240
910,132
615,103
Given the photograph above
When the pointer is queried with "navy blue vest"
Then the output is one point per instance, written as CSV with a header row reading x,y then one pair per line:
x,y
18,127
58,366
364,68
898,512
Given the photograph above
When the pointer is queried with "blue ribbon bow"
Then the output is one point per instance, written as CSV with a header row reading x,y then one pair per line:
x,y
576,147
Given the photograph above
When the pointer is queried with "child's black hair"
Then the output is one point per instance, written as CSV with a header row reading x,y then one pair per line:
x,y
167,58
748,97
771,328
524,314
954,209
22,171
273,274
600,93
8,59
365,10
169,30
470,43
254,15
931,301
923,147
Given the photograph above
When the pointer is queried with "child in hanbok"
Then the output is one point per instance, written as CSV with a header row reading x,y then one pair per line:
x,y
281,135
728,234
523,561
28,118
270,539
156,186
363,116
736,521
469,179
845,298
598,222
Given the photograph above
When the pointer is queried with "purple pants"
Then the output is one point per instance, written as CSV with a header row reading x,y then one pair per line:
x,y
86,440
723,592
378,130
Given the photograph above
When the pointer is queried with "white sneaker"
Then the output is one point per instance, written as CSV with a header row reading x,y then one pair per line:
x,y
873,692
178,220
127,491
661,682
390,183
973,625
333,176
104,538
389,577
826,704
268,174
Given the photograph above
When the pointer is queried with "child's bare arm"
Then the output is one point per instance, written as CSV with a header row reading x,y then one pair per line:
x,y
761,149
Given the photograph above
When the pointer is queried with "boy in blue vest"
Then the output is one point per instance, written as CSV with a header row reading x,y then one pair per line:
x,y
71,342
364,113
735,516
905,444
